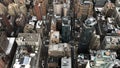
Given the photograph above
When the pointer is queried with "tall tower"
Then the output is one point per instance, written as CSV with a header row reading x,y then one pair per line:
x,y
86,35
